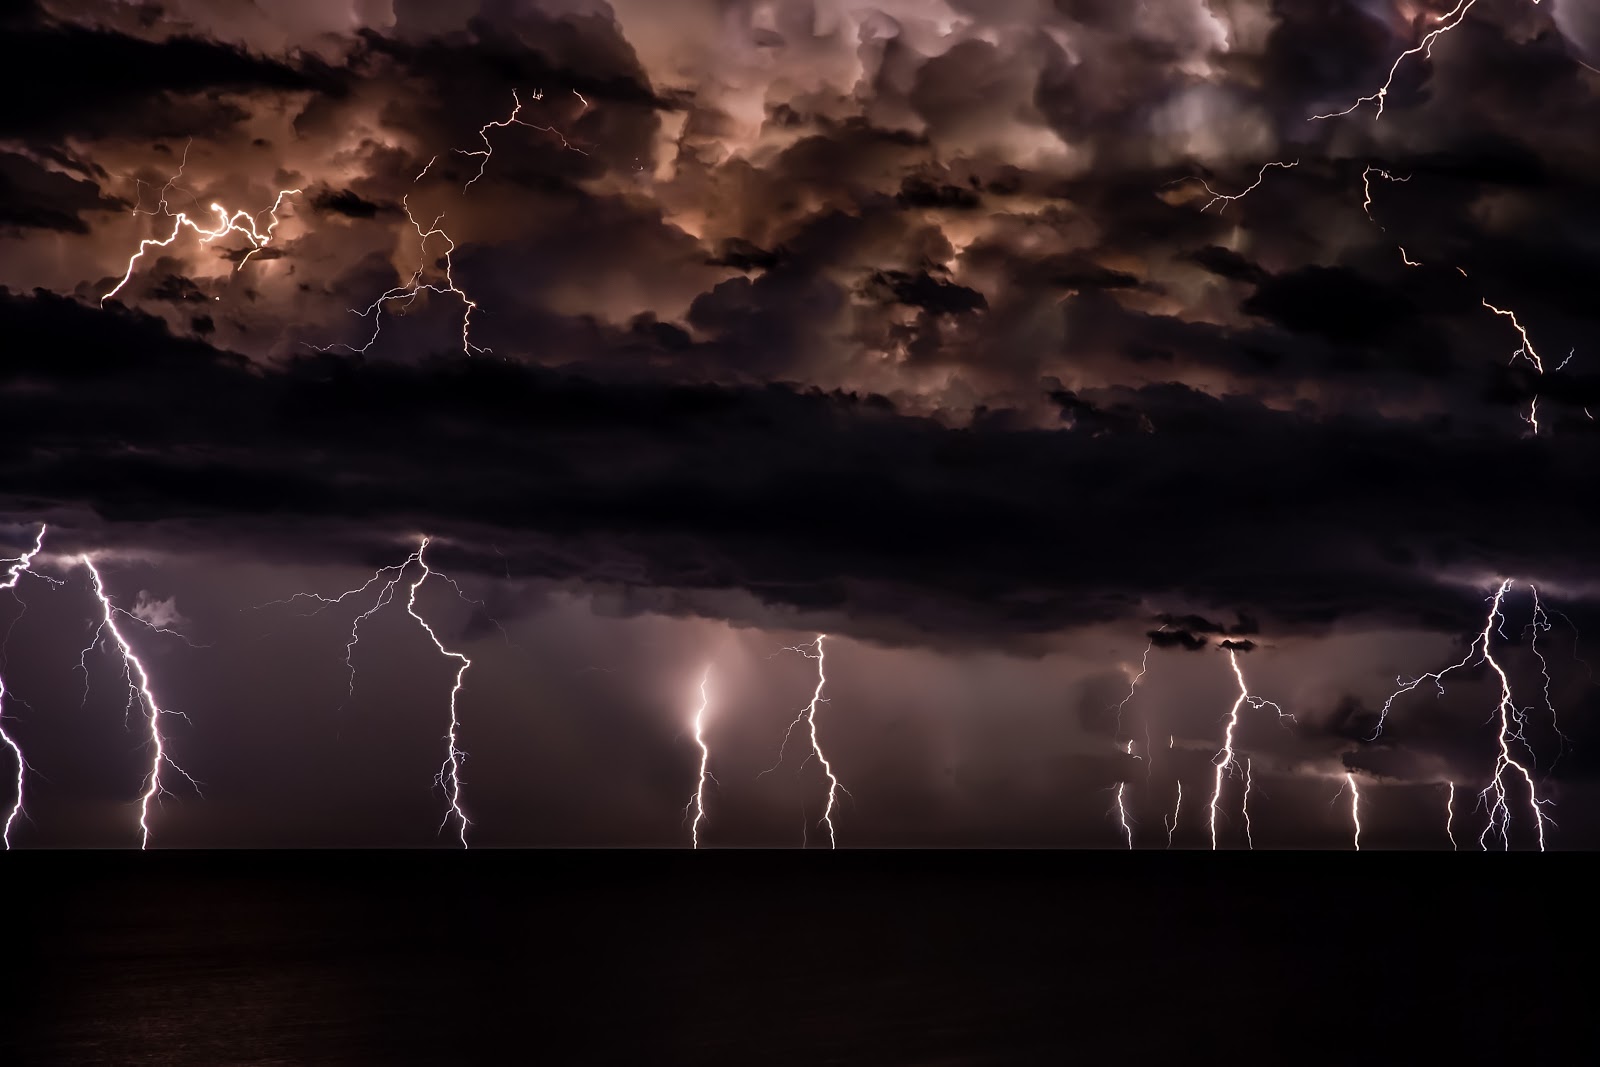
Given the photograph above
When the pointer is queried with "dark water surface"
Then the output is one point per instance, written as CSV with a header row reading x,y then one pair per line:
x,y
929,958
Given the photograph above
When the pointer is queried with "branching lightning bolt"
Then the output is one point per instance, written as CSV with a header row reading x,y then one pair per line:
x,y
1225,759
483,154
138,692
1225,199
449,776
698,801
405,295
1447,22
1511,721
19,565
808,715
240,222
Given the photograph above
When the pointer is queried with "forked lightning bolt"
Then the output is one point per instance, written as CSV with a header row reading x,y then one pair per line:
x,y
19,565
483,154
139,692
240,222
1446,23
405,295
1494,796
1225,199
698,801
449,777
808,715
1225,759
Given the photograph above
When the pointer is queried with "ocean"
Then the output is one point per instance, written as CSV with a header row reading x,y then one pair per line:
x,y
873,958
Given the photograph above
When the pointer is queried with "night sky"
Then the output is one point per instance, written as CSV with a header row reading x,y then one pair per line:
x,y
927,325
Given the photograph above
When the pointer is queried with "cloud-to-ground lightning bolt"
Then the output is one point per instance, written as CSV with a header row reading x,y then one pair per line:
x,y
138,692
483,154
1494,795
1244,807
1225,199
1225,759
1450,814
1355,808
405,295
19,565
241,222
698,801
1177,807
449,776
1446,23
808,715
1122,812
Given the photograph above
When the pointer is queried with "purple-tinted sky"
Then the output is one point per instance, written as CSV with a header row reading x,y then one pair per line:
x,y
909,322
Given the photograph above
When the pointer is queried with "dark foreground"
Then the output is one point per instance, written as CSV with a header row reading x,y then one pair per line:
x,y
792,958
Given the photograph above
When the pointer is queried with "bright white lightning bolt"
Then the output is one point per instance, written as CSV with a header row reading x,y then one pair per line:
x,y
483,154
1122,812
1225,199
1177,807
139,692
1366,187
1225,759
1244,807
449,776
240,222
808,715
1447,22
1355,807
698,801
19,565
1450,815
1494,794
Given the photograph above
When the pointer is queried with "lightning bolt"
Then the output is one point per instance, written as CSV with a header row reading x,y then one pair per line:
x,y
698,802
449,776
1173,825
1122,812
139,692
1511,720
406,294
1447,22
1225,199
1226,759
241,222
1355,807
483,154
1450,814
19,565
1244,807
808,715
1366,188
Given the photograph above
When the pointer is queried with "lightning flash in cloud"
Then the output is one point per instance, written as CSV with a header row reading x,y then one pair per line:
x,y
241,222
698,801
808,715
139,693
